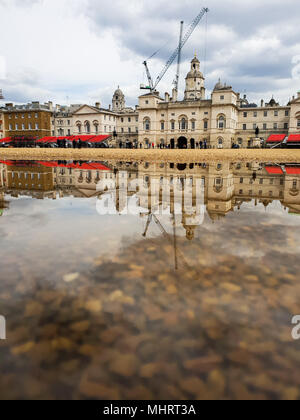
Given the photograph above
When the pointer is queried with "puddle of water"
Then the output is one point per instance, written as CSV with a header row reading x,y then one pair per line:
x,y
152,281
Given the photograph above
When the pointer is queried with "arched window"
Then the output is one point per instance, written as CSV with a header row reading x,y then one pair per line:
x,y
298,122
183,124
87,127
221,122
147,124
96,126
220,143
78,124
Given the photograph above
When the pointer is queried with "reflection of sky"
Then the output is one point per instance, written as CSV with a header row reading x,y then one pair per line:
x,y
55,237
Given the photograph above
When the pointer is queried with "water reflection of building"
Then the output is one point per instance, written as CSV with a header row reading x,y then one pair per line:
x,y
25,178
225,186
3,203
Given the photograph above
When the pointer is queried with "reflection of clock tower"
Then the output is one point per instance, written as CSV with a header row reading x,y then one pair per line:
x,y
194,82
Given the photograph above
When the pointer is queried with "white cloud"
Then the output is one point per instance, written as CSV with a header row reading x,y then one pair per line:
x,y
83,49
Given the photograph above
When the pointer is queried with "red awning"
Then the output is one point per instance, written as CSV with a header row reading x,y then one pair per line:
x,y
91,139
7,162
274,170
6,140
276,138
93,166
294,138
292,170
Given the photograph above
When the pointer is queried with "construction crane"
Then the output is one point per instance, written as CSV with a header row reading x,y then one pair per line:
x,y
176,82
177,53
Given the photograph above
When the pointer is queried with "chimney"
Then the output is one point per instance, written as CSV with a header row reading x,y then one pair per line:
x,y
50,105
262,103
167,97
174,95
97,105
109,107
57,108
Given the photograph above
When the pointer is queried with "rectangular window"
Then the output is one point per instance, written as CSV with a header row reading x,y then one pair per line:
x,y
298,123
23,126
245,114
286,126
10,127
254,126
29,115
255,114
205,125
172,125
265,126
36,126
129,130
29,126
241,180
244,126
129,119
287,113
275,126
162,126
265,113
275,113
193,125
222,97
36,116
17,127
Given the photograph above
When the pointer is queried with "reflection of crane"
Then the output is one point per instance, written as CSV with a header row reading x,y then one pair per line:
x,y
177,53
167,236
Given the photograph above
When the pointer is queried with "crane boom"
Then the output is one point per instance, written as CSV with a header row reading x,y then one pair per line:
x,y
176,83
188,34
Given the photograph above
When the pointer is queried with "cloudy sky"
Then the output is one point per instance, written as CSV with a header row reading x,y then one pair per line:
x,y
79,51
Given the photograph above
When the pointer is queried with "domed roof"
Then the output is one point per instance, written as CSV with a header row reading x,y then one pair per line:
x,y
195,60
194,74
118,92
219,85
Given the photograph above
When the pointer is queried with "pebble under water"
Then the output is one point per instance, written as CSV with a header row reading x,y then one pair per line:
x,y
145,297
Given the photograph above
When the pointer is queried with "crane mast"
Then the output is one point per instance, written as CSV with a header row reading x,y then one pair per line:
x,y
152,86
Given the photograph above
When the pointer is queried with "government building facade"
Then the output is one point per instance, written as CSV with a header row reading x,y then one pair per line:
x,y
225,120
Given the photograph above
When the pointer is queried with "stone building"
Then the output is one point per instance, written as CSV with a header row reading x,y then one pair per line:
x,y
32,120
127,121
219,122
2,125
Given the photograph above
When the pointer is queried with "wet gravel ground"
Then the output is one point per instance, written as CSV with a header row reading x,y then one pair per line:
x,y
239,155
123,323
